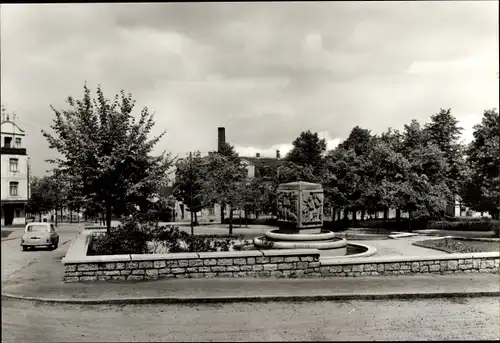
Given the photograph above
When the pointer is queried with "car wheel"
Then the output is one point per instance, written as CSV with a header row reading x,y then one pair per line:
x,y
25,248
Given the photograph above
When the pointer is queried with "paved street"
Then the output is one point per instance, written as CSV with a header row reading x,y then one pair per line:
x,y
435,319
14,259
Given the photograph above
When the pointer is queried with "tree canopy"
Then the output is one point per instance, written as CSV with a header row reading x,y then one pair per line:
x,y
106,154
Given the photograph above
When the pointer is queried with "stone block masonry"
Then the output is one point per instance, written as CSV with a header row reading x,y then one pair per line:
x,y
280,263
486,262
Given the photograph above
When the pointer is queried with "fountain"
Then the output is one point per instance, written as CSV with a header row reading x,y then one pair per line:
x,y
300,222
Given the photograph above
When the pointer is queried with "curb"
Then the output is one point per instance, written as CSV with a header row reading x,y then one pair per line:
x,y
254,299
10,239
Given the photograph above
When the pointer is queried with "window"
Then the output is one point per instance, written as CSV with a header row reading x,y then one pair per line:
x,y
13,164
38,228
6,142
13,188
18,143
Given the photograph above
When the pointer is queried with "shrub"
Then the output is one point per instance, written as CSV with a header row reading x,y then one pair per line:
x,y
466,219
128,238
133,238
473,225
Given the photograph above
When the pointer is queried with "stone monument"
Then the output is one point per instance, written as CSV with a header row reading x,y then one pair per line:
x,y
300,220
300,207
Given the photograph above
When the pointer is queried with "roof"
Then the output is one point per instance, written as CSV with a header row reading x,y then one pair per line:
x,y
263,161
13,128
264,166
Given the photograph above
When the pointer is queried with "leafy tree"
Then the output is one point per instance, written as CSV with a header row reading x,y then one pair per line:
x,y
482,183
106,153
444,132
291,172
227,150
257,196
188,182
386,168
341,179
424,192
223,182
37,204
359,140
308,150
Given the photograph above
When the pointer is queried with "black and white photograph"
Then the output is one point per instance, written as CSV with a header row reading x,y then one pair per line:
x,y
250,171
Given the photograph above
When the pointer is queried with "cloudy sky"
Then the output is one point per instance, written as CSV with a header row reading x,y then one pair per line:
x,y
265,71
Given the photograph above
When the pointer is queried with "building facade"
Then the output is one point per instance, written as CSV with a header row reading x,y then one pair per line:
x,y
15,190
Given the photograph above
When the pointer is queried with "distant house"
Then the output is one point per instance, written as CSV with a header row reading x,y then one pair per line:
x,y
15,174
263,167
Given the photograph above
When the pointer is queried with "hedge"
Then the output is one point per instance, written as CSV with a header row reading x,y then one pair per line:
x,y
405,225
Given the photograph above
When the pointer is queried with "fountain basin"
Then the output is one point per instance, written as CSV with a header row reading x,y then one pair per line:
x,y
276,235
334,243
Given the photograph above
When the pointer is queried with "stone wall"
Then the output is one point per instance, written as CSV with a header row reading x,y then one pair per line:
x,y
279,263
410,265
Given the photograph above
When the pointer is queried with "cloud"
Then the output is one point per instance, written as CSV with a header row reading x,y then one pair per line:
x,y
265,71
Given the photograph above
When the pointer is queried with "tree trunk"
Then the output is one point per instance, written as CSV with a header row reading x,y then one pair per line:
x,y
346,214
191,224
363,213
398,215
108,218
196,218
354,216
239,214
222,205
40,216
230,220
55,217
61,214
246,218
71,216
386,213
376,214
410,220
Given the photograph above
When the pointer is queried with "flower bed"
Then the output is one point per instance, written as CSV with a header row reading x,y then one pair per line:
x,y
134,238
453,245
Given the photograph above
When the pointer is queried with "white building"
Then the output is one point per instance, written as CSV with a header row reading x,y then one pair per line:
x,y
14,174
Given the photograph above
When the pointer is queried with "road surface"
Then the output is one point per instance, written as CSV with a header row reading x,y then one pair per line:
x,y
14,259
435,319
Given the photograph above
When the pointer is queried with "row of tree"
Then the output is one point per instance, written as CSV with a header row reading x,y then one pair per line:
x,y
419,171
105,167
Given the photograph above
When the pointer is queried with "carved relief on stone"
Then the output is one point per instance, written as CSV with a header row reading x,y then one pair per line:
x,y
312,207
287,206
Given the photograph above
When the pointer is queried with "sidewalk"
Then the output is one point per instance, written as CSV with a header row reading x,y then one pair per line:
x,y
252,290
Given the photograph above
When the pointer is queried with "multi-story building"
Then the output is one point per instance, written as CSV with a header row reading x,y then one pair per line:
x,y
14,174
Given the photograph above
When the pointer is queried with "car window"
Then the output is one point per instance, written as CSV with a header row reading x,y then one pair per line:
x,y
38,228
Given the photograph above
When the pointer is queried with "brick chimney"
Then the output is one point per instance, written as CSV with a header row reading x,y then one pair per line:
x,y
257,155
221,139
278,156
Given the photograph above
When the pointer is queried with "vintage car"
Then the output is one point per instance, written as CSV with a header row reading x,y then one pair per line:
x,y
38,234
